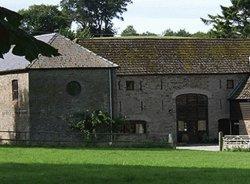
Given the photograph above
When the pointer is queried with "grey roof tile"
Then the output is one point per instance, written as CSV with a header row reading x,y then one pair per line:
x,y
173,56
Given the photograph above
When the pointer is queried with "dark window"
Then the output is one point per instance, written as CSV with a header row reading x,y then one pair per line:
x,y
130,85
141,85
142,106
119,85
73,88
14,89
134,127
230,84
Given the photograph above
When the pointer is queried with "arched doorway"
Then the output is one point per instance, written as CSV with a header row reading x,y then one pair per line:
x,y
192,118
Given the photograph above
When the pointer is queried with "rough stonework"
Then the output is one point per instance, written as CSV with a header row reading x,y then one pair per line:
x,y
158,94
50,103
14,114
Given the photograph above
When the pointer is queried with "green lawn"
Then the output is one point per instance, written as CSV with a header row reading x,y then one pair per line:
x,y
66,165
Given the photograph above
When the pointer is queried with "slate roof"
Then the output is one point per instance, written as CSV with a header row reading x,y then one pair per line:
x,y
144,56
242,91
72,56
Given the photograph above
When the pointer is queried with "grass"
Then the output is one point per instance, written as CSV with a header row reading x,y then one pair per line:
x,y
68,165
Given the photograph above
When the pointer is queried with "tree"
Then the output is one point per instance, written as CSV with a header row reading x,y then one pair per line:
x,y
147,33
233,22
183,33
90,122
180,33
129,31
97,15
80,33
168,32
200,34
23,44
40,19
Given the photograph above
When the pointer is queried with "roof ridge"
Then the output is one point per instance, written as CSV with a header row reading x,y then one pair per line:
x,y
80,46
162,38
52,39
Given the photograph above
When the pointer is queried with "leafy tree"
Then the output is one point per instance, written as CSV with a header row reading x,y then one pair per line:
x,y
147,33
233,22
23,44
168,32
183,33
180,33
200,34
81,33
91,122
129,31
40,19
97,15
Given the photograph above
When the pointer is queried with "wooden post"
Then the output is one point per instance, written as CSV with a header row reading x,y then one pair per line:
x,y
221,141
171,140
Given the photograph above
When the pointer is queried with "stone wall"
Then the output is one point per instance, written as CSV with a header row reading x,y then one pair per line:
x,y
14,114
153,99
50,103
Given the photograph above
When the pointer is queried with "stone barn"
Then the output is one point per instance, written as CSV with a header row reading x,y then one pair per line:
x,y
191,88
180,86
37,96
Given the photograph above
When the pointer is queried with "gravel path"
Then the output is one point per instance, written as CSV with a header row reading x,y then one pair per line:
x,y
200,148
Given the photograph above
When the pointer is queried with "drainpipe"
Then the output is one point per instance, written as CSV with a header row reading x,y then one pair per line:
x,y
110,94
110,104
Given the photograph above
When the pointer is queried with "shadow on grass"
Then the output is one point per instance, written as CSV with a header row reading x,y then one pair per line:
x,y
90,148
91,173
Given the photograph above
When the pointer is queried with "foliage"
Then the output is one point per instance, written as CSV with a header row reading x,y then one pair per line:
x,y
180,33
97,15
147,33
129,31
200,34
41,19
169,32
79,34
183,33
136,166
89,122
233,22
23,44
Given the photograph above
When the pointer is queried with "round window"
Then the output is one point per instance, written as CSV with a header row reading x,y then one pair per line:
x,y
73,88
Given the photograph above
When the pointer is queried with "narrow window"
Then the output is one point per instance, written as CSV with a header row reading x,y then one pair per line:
x,y
141,85
14,89
230,84
119,85
162,105
220,84
130,85
220,104
142,106
161,85
120,106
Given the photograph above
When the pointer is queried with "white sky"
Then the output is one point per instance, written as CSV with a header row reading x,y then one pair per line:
x,y
151,15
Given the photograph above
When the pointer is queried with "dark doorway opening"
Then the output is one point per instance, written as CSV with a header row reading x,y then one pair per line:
x,y
192,118
228,127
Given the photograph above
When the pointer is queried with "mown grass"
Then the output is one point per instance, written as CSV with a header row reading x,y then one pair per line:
x,y
67,165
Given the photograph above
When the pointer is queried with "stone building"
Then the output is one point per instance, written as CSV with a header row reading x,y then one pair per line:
x,y
192,88
181,86
37,96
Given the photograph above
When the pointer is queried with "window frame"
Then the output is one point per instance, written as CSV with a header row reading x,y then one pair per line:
x,y
15,89
132,87
230,84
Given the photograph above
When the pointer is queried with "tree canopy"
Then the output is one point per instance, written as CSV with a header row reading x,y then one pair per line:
x,y
97,15
40,19
129,31
233,22
22,44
